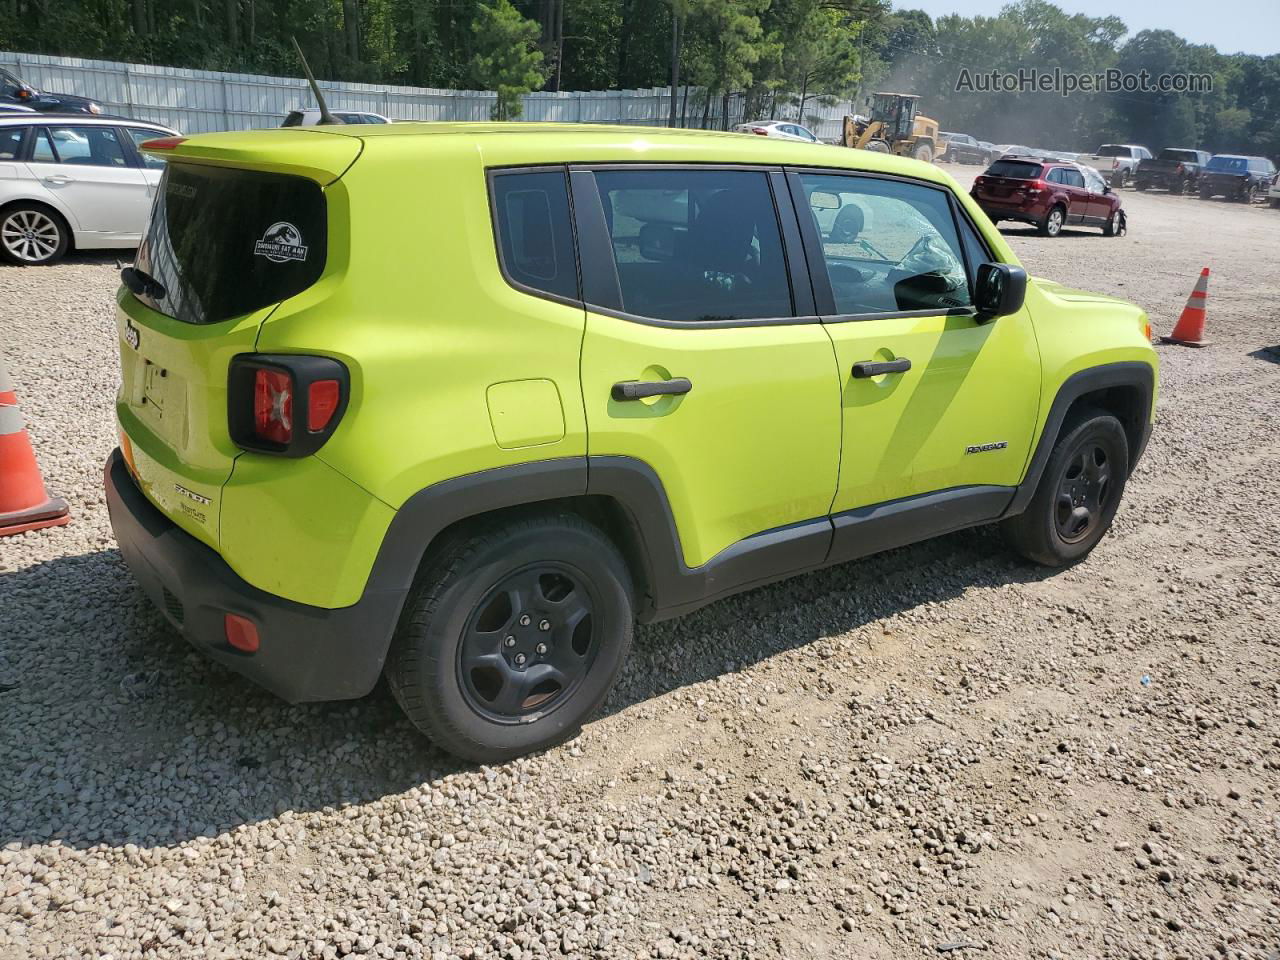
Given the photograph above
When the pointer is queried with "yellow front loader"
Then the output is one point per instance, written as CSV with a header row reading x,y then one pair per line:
x,y
894,127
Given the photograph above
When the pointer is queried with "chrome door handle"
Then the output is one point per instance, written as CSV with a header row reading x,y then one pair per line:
x,y
59,178
865,369
640,389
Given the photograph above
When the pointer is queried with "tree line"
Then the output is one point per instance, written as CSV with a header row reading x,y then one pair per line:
x,y
782,56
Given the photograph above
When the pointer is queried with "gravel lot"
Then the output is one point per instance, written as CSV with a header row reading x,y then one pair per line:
x,y
935,747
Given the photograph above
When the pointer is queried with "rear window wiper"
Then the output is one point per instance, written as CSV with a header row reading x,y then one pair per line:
x,y
142,284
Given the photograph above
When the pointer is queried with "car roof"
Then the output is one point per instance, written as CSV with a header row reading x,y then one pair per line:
x,y
80,119
527,143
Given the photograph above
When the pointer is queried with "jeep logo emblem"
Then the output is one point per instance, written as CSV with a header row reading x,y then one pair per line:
x,y
131,334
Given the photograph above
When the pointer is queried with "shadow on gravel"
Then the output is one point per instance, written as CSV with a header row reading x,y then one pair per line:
x,y
1271,355
115,731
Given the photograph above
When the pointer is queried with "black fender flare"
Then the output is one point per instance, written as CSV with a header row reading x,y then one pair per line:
x,y
1131,373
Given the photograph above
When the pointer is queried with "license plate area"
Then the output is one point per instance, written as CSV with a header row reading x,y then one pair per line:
x,y
154,387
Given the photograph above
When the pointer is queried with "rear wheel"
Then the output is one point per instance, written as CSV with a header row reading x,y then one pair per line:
x,y
878,146
1249,193
1119,178
513,637
1184,186
33,235
923,152
1052,223
1078,494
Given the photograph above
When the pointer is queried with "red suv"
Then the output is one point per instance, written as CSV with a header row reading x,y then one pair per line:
x,y
1049,193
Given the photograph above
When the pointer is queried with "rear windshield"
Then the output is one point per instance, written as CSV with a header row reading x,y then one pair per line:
x,y
1015,169
1229,164
1113,150
223,242
1179,155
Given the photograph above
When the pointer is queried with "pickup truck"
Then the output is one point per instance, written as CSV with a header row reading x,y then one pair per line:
x,y
1176,169
1117,162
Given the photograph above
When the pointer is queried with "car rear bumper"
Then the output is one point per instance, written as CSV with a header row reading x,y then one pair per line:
x,y
306,653
997,211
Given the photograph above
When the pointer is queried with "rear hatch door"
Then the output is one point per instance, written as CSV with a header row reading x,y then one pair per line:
x,y
1007,181
240,223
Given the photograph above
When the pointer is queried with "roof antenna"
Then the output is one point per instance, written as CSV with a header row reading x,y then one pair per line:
x,y
325,115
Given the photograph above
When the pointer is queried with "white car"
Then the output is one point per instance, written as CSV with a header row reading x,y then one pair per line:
x,y
784,129
73,182
311,117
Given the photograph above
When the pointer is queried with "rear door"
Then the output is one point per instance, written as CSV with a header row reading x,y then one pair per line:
x,y
691,298
88,170
956,407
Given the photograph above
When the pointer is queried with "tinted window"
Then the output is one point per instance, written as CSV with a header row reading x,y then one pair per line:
x,y
1189,155
87,146
1227,164
225,242
1071,178
1055,176
696,245
141,136
1014,169
888,245
11,142
1111,150
535,236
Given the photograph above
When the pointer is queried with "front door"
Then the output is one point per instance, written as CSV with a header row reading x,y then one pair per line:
x,y
87,169
694,360
932,399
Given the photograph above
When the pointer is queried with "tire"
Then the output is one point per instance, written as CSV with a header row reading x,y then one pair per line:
x,y
1248,194
1205,195
1184,186
32,234
922,152
1118,179
1053,531
495,609
878,146
1109,228
1140,185
1052,223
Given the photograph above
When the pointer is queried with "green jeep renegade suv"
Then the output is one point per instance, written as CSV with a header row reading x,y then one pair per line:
x,y
460,403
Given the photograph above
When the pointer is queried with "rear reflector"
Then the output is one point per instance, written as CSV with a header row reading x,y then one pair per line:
x,y
323,398
242,633
163,143
273,405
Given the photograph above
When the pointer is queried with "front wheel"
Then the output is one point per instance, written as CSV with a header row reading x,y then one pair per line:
x,y
1078,493
33,235
513,637
923,152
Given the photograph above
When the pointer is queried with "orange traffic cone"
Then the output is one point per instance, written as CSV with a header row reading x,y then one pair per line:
x,y
1189,331
24,502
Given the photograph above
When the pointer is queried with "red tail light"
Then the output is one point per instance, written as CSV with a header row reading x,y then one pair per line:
x,y
285,404
1035,186
323,397
273,405
762,131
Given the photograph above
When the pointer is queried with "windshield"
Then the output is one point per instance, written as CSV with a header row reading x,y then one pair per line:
x,y
1112,150
10,83
1228,164
224,242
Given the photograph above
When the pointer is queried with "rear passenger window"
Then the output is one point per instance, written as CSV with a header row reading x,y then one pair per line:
x,y
86,146
696,245
11,142
535,237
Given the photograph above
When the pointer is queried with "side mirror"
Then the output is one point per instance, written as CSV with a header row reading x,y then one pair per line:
x,y
1106,188
1000,290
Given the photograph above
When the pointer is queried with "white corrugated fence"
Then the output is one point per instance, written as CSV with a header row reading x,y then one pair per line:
x,y
204,101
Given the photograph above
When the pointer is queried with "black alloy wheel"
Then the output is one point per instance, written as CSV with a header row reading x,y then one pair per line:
x,y
528,644
1083,493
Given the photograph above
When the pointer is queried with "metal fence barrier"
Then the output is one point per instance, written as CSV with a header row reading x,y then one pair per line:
x,y
204,101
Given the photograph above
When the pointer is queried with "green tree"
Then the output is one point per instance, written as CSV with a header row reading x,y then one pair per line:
x,y
507,59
